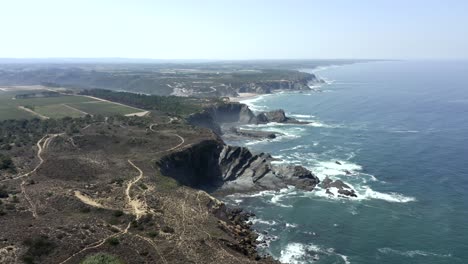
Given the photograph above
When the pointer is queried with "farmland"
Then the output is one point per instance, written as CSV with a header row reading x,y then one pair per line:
x,y
54,107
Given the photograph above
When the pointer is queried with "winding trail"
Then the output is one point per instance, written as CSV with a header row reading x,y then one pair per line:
x,y
98,243
47,139
41,144
182,140
139,208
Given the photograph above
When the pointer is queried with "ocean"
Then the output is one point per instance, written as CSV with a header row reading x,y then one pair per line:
x,y
401,129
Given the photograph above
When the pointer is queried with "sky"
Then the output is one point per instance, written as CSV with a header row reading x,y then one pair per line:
x,y
235,29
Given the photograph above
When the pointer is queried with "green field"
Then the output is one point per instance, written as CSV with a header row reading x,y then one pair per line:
x,y
104,108
57,107
57,111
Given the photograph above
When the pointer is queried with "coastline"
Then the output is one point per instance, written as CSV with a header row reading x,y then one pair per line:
x,y
244,96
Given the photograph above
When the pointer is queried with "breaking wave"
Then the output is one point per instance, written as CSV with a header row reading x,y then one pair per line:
x,y
297,253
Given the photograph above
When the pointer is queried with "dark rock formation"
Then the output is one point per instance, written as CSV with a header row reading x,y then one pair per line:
x,y
277,116
234,221
236,113
213,166
253,133
342,187
212,117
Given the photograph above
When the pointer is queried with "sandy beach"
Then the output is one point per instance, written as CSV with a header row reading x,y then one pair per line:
x,y
243,96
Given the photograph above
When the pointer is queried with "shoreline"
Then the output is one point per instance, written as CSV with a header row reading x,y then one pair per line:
x,y
244,96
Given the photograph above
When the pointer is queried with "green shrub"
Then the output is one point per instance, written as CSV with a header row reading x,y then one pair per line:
x,y
6,163
37,246
113,241
152,234
3,192
118,213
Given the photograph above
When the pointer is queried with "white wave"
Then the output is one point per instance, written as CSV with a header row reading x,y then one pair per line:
x,y
295,148
367,194
291,225
412,253
277,198
297,253
321,192
331,168
320,124
389,197
266,240
345,258
254,220
294,253
405,131
300,116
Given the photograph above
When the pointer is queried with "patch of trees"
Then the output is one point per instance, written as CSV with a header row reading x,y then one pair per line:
x,y
26,132
6,164
37,247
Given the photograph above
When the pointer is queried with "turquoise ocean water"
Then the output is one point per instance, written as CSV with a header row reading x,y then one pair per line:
x,y
401,128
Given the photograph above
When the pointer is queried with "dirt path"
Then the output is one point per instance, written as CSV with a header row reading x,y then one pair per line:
x,y
88,200
98,243
182,140
138,207
45,141
33,112
144,113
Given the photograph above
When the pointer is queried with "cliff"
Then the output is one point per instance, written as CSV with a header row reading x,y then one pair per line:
x,y
236,114
270,86
212,117
213,166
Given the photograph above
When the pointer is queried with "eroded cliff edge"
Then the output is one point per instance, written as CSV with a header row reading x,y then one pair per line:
x,y
235,114
216,167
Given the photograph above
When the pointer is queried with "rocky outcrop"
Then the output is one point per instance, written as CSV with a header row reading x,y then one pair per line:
x,y
213,166
236,113
343,188
212,117
278,116
234,221
253,133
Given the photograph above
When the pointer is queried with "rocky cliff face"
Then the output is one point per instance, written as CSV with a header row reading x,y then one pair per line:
x,y
269,86
214,166
278,116
212,117
236,113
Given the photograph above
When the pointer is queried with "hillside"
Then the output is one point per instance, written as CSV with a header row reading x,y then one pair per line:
x,y
191,79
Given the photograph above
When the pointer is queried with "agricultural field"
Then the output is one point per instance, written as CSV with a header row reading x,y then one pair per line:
x,y
54,107
104,108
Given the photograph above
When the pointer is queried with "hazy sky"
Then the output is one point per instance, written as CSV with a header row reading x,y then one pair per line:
x,y
236,29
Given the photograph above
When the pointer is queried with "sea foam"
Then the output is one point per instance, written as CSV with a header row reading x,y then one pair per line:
x,y
412,253
297,253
